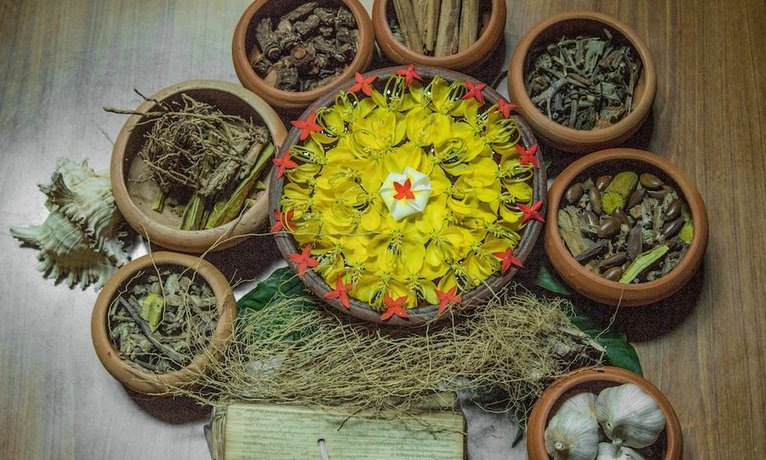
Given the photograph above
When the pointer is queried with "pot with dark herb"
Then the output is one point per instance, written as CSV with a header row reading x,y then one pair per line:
x,y
292,52
584,80
161,320
190,166
625,227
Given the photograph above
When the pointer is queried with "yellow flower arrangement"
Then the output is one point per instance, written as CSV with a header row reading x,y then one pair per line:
x,y
408,195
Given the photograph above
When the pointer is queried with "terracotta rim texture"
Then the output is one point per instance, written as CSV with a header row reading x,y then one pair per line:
x,y
596,379
611,292
139,214
146,383
297,100
419,315
570,139
465,60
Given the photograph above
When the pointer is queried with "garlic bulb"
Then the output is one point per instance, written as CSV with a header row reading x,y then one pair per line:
x,y
607,451
570,434
582,404
629,416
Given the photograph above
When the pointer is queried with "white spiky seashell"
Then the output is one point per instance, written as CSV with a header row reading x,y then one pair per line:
x,y
629,416
609,451
82,239
572,433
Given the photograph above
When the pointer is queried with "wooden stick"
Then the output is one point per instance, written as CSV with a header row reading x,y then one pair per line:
x,y
431,23
448,23
469,24
405,13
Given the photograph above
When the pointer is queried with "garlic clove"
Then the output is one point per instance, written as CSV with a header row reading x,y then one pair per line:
x,y
611,451
629,416
570,436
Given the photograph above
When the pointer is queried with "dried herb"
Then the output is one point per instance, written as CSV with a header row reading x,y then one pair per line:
x,y
584,82
205,163
636,229
308,47
162,319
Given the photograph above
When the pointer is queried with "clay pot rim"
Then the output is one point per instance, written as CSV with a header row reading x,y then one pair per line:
x,y
191,241
474,54
186,377
542,410
424,314
298,100
570,139
629,295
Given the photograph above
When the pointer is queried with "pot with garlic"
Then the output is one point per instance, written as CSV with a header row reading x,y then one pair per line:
x,y
603,413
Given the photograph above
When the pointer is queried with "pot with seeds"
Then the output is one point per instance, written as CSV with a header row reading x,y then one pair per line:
x,y
625,227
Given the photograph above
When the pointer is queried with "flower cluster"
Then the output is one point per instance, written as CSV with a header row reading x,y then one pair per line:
x,y
407,195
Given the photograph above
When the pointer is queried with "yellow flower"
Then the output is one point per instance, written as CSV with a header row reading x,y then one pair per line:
x,y
481,261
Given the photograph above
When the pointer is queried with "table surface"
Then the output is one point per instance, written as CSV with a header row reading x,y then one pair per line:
x,y
63,61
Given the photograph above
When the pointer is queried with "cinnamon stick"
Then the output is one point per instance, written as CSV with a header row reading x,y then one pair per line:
x,y
446,36
430,24
405,13
469,24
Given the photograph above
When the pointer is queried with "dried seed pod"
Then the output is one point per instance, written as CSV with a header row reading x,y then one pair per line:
x,y
660,194
602,182
635,242
673,210
574,192
620,216
672,228
636,197
608,228
594,196
613,274
650,181
591,252
618,258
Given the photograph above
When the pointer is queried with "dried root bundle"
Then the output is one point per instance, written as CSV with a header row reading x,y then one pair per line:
x,y
292,351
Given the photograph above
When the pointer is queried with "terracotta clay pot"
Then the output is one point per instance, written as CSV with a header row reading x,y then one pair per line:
x,y
244,41
133,194
419,315
594,380
149,383
591,285
572,24
466,61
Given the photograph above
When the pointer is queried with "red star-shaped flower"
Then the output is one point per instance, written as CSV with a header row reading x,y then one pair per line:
x,y
283,221
404,191
528,156
531,212
340,292
284,163
409,74
363,84
475,91
307,126
394,307
505,107
508,259
447,298
304,260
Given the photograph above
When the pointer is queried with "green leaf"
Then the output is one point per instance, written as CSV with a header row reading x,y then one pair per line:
x,y
619,352
152,309
280,285
547,280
